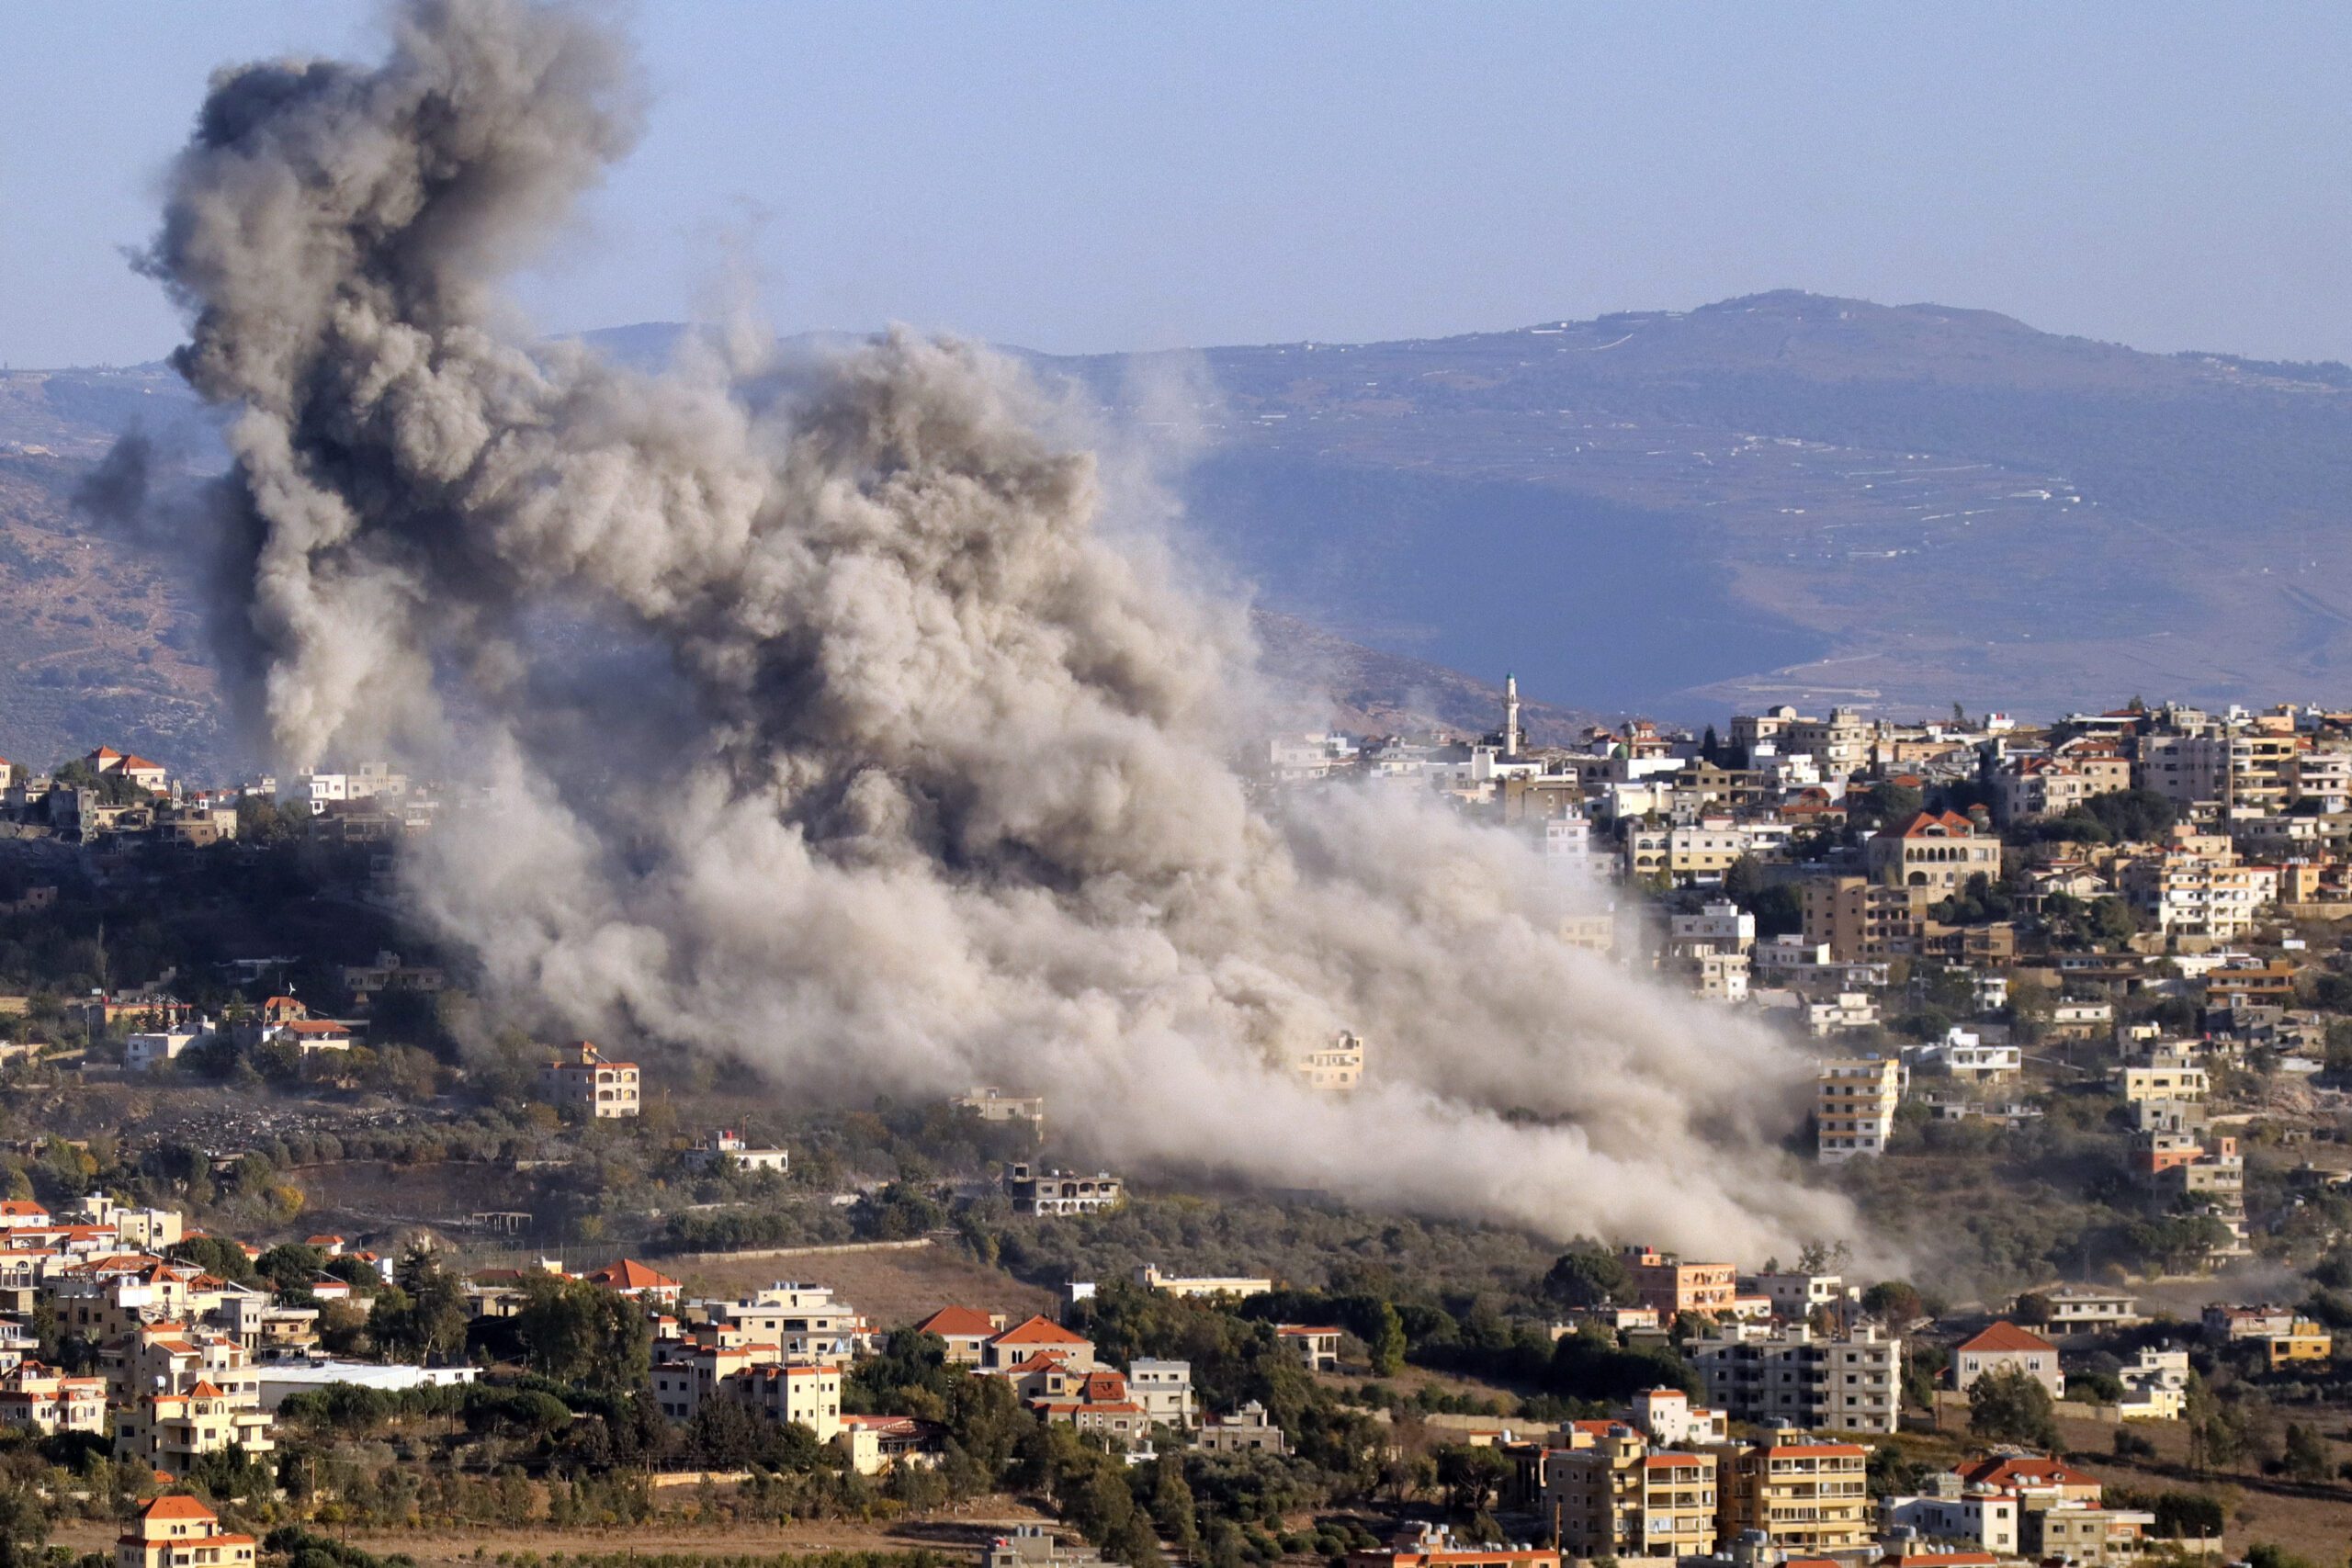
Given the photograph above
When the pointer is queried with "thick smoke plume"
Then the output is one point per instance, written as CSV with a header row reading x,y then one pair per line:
x,y
893,755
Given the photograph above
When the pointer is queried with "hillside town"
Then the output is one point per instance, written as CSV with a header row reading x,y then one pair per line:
x,y
2107,947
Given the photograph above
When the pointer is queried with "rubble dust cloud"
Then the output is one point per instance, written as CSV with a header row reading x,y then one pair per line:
x,y
915,768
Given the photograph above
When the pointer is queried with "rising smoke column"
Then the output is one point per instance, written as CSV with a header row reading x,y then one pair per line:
x,y
881,761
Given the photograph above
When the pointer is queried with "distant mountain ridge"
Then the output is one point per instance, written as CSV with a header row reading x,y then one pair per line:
x,y
1784,497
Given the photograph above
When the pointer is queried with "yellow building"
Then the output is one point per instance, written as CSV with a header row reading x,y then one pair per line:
x,y
1616,1498
2304,1345
180,1532
580,1077
1854,1104
171,1432
1809,1497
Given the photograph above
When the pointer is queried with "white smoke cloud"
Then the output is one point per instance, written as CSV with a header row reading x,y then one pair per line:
x,y
912,770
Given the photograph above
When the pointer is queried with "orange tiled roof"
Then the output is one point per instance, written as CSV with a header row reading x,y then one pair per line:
x,y
957,1322
2007,1336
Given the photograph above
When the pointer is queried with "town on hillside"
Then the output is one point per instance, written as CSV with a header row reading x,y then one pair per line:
x,y
303,1239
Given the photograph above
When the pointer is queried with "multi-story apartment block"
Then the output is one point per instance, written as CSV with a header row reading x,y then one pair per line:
x,y
2200,893
2032,788
1845,1382
1667,1285
803,1322
1854,1105
1859,921
1164,1389
1617,1497
1808,1498
580,1076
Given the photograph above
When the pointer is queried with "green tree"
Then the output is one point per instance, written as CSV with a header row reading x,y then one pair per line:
x,y
1588,1277
581,1333
291,1265
2307,1456
2011,1406
1896,1304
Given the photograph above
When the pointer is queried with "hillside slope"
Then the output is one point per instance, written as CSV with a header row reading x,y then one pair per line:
x,y
1792,498
1779,497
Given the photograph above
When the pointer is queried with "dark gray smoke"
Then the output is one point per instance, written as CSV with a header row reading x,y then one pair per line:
x,y
912,770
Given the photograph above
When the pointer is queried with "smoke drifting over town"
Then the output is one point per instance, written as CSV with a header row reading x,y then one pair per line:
x,y
854,721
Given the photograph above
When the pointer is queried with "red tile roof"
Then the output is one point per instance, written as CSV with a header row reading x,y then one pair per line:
x,y
177,1508
2007,1336
1936,825
956,1323
1039,1331
628,1274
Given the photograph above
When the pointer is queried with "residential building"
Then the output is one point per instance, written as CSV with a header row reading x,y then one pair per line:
x,y
808,1395
1336,1064
1164,1389
964,1331
627,1277
173,1432
1861,920
1248,1430
876,1445
1668,1419
1846,1381
1317,1345
1986,1519
2227,1325
1048,1192
1034,1546
579,1078
1854,1106
2086,1537
1435,1546
1238,1287
1848,1012
1807,1498
1616,1497
1797,1295
803,1323
1937,850
2183,892
177,1531
2155,1386
2031,787
1965,1055
2084,1309
725,1147
995,1105
1671,1286
1034,1337
2306,1344
2006,1347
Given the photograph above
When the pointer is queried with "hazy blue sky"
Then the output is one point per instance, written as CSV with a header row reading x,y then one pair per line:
x,y
1074,178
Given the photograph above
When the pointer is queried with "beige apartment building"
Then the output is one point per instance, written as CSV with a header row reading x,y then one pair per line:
x,y
1809,1498
171,1432
1667,1284
1617,1498
1862,921
1854,1105
581,1078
